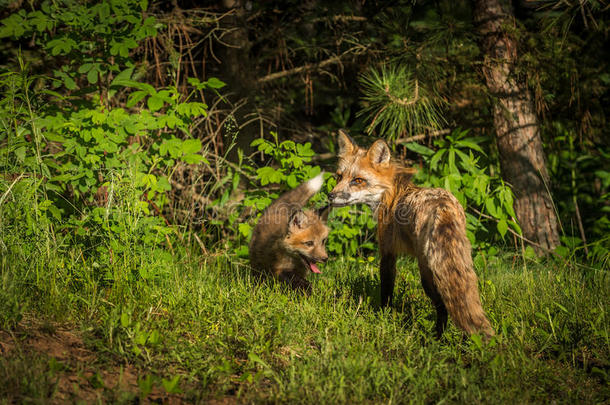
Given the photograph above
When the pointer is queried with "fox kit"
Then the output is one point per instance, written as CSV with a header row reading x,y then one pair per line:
x,y
288,241
427,223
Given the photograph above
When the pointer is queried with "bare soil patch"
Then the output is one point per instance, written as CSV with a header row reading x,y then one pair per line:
x,y
69,371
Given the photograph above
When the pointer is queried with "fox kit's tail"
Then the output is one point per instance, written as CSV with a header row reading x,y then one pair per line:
x,y
298,197
450,262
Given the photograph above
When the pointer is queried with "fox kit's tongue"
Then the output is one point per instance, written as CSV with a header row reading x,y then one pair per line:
x,y
314,268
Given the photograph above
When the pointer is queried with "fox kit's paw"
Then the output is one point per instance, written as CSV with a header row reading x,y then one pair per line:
x,y
316,183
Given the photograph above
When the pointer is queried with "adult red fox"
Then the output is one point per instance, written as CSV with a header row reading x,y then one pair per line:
x,y
427,223
288,241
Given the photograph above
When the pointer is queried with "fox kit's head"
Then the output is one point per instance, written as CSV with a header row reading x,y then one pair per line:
x,y
306,237
363,176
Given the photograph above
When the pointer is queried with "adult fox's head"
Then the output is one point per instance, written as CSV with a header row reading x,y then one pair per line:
x,y
306,237
363,176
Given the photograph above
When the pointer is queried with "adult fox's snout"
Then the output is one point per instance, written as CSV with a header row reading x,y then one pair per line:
x,y
336,197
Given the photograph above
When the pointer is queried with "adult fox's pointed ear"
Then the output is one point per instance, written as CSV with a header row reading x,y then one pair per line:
x,y
346,143
323,213
379,152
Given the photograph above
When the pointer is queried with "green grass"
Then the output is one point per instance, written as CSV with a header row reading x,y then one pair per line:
x,y
221,335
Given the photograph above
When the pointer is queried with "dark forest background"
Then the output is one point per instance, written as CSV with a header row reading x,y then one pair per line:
x,y
504,104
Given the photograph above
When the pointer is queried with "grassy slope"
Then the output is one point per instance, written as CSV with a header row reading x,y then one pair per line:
x,y
230,338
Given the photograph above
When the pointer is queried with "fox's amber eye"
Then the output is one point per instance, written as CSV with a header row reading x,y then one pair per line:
x,y
308,243
358,181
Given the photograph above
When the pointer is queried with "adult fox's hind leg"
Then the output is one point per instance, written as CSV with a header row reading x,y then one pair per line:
x,y
434,295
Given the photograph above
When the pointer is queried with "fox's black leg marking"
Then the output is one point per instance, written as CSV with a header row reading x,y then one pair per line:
x,y
387,275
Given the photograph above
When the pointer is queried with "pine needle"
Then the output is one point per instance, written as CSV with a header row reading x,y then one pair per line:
x,y
398,103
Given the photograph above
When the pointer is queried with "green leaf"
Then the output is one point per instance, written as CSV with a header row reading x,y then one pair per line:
x,y
123,77
502,227
436,158
419,149
85,67
67,80
269,175
155,103
245,229
14,25
135,97
163,184
61,45
173,147
562,251
291,180
305,150
215,83
451,161
516,227
530,253
92,76
491,207
192,158
235,181
470,143
191,146
20,153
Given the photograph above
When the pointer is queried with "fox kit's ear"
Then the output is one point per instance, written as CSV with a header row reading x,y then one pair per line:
x,y
297,221
379,152
323,213
346,143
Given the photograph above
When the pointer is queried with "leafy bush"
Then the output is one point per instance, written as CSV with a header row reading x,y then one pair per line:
x,y
460,165
93,148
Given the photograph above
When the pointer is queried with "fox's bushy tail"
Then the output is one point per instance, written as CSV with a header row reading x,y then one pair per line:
x,y
298,197
450,261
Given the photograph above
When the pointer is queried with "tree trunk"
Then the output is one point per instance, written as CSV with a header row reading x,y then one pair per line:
x,y
237,70
517,129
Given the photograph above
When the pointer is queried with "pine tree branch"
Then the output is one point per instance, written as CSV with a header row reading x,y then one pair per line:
x,y
405,102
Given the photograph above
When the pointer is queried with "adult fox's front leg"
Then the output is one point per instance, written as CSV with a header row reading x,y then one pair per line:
x,y
387,275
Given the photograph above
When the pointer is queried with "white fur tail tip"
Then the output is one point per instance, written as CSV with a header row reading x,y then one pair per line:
x,y
315,184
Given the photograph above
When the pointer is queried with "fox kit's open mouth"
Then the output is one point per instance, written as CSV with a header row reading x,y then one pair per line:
x,y
312,265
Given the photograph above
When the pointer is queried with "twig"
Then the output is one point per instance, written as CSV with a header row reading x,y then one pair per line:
x,y
9,188
201,245
419,137
308,66
336,18
580,226
322,156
